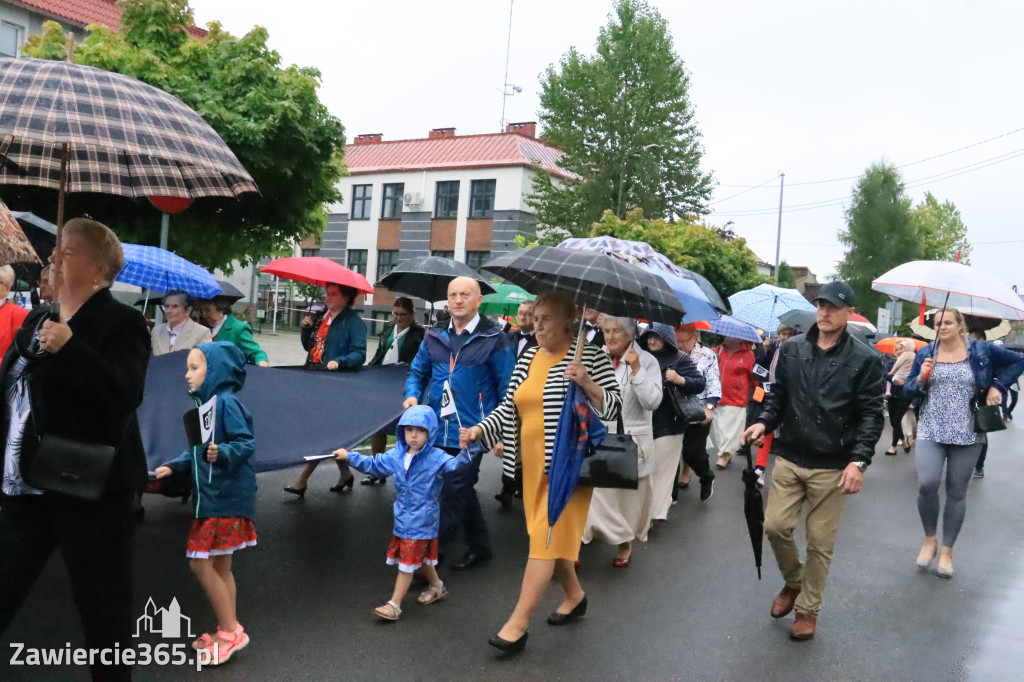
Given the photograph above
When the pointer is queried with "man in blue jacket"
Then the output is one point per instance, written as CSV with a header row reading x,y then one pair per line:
x,y
475,359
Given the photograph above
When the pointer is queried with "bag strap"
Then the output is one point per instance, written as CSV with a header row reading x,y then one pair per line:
x,y
619,424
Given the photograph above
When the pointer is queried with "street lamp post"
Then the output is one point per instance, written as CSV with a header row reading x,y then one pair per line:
x,y
622,174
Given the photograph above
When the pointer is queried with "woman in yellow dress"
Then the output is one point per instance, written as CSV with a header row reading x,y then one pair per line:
x,y
529,412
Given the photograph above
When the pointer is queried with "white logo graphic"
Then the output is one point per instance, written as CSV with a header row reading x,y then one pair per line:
x,y
167,623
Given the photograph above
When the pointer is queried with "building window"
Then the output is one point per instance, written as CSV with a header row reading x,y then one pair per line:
x,y
444,254
386,262
361,195
481,198
446,204
357,261
10,39
475,259
306,253
391,207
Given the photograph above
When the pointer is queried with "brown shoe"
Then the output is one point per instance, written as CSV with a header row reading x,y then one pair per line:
x,y
785,602
803,628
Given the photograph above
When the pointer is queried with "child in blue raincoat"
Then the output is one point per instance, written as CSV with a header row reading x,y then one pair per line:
x,y
419,469
224,490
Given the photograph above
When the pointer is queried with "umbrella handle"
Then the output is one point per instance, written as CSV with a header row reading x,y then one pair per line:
x,y
579,341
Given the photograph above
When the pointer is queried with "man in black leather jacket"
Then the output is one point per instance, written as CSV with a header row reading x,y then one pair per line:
x,y
827,398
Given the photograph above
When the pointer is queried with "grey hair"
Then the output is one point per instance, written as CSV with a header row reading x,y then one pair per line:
x,y
628,324
7,275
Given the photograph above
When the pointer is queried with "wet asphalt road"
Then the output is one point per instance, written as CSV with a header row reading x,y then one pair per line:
x,y
689,607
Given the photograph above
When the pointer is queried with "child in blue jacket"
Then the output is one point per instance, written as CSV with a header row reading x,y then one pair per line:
x,y
224,489
419,469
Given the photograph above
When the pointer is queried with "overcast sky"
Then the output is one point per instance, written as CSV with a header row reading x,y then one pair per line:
x,y
816,89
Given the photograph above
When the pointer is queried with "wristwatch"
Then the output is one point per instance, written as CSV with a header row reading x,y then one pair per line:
x,y
710,406
862,465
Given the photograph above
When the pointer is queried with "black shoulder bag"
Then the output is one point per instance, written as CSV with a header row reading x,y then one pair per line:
x,y
613,463
987,418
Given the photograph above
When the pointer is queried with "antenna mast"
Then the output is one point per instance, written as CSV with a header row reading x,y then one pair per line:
x,y
505,91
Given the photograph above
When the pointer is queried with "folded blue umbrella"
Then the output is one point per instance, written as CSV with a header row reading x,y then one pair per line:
x,y
154,268
578,427
737,329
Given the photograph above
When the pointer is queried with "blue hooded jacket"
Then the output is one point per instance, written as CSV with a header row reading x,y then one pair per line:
x,y
231,489
418,490
479,379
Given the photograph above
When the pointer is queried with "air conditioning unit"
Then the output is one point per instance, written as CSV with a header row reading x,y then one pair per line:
x,y
412,199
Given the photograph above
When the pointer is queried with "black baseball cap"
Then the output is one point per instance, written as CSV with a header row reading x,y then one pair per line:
x,y
837,293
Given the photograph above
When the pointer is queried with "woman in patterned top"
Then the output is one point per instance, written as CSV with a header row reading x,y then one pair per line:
x,y
529,413
952,375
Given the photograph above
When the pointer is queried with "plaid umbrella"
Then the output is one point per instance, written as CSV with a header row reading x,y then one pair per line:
x,y
592,279
120,135
14,245
428,277
762,305
737,329
150,267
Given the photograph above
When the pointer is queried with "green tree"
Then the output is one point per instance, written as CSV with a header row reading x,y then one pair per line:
x,y
270,115
728,264
879,233
786,278
941,233
624,121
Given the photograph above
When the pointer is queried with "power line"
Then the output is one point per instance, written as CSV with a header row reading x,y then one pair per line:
x,y
906,165
772,179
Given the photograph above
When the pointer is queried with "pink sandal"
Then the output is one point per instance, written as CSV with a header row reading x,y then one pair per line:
x,y
221,651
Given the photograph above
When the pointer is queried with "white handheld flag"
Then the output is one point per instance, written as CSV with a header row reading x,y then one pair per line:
x,y
447,401
208,424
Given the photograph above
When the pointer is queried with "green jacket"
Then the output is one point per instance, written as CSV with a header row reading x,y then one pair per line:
x,y
240,333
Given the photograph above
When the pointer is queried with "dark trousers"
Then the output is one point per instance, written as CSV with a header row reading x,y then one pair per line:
x,y
695,451
460,508
897,408
95,541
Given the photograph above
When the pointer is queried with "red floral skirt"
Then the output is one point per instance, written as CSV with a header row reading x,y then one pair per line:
x,y
218,536
411,554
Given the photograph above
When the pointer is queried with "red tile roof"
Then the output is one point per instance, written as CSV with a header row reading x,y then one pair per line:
x,y
467,151
85,12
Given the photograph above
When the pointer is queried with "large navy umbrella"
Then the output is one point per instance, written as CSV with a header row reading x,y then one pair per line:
x,y
591,279
428,277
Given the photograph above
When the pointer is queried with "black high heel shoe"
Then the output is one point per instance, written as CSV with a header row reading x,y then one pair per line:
x,y
507,647
557,618
340,488
300,492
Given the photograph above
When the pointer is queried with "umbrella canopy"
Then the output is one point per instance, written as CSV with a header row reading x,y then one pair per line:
x,y
943,284
753,507
801,320
862,321
994,329
14,245
505,300
227,290
122,136
696,303
428,277
889,345
151,267
578,427
762,305
316,270
737,329
592,279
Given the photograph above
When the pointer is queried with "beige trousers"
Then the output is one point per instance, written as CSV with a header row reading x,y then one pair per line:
x,y
667,452
793,489
727,427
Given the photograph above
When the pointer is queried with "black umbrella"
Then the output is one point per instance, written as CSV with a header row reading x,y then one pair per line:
x,y
801,320
592,279
753,507
42,234
427,277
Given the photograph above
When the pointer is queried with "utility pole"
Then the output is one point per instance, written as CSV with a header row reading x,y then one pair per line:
x,y
778,236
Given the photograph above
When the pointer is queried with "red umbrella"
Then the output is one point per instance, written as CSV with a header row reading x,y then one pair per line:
x,y
316,270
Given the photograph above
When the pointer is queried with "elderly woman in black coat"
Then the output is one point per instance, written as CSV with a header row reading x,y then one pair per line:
x,y
80,378
680,379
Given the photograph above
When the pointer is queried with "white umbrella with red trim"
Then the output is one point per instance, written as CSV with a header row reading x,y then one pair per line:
x,y
951,285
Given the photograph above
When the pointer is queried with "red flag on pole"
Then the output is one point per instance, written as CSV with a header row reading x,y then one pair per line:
x,y
924,306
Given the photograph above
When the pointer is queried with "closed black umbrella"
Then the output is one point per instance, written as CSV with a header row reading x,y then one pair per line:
x,y
753,507
427,277
592,279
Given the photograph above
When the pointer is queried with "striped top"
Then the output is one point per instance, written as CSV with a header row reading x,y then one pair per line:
x,y
502,424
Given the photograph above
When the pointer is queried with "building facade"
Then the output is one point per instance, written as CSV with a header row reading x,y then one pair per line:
x,y
461,197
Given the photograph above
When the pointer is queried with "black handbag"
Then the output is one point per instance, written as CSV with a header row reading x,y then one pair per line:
x,y
988,418
70,467
612,464
689,408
